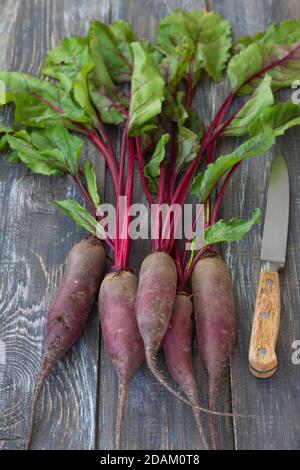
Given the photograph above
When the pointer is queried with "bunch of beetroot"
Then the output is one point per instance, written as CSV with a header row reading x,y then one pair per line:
x,y
109,79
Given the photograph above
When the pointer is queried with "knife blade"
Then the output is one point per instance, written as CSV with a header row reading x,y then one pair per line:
x,y
266,319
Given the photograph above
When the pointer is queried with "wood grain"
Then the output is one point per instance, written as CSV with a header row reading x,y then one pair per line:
x,y
265,326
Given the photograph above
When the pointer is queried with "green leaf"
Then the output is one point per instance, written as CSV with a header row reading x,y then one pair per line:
x,y
90,177
189,138
286,32
67,60
176,112
276,52
22,134
3,142
2,93
13,157
261,98
207,37
147,141
147,92
72,63
41,139
204,182
245,41
81,215
32,112
182,115
50,151
194,123
5,129
173,68
230,231
188,146
243,66
190,131
124,35
279,117
81,92
69,146
114,41
39,102
152,169
103,92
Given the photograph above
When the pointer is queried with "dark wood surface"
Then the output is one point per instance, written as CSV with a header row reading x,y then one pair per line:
x,y
78,402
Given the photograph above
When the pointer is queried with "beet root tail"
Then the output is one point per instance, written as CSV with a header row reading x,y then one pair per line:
x,y
200,428
122,394
213,394
120,333
198,418
152,364
213,429
177,346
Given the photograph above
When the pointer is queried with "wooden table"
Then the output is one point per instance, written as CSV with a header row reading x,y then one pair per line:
x,y
78,402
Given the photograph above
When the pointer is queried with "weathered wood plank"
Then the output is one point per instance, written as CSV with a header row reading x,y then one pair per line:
x,y
273,401
35,240
154,419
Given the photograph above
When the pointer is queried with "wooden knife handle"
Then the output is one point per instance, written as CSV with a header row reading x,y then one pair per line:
x,y
265,327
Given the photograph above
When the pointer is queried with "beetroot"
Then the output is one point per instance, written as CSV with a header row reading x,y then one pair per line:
x,y
214,309
68,313
155,300
154,304
121,336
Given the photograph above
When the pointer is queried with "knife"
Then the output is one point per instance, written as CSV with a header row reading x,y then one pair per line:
x,y
266,319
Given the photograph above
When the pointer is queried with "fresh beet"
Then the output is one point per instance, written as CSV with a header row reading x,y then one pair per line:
x,y
121,336
68,313
155,299
214,309
177,345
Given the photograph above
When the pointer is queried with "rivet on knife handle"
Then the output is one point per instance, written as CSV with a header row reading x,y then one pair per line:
x,y
265,327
